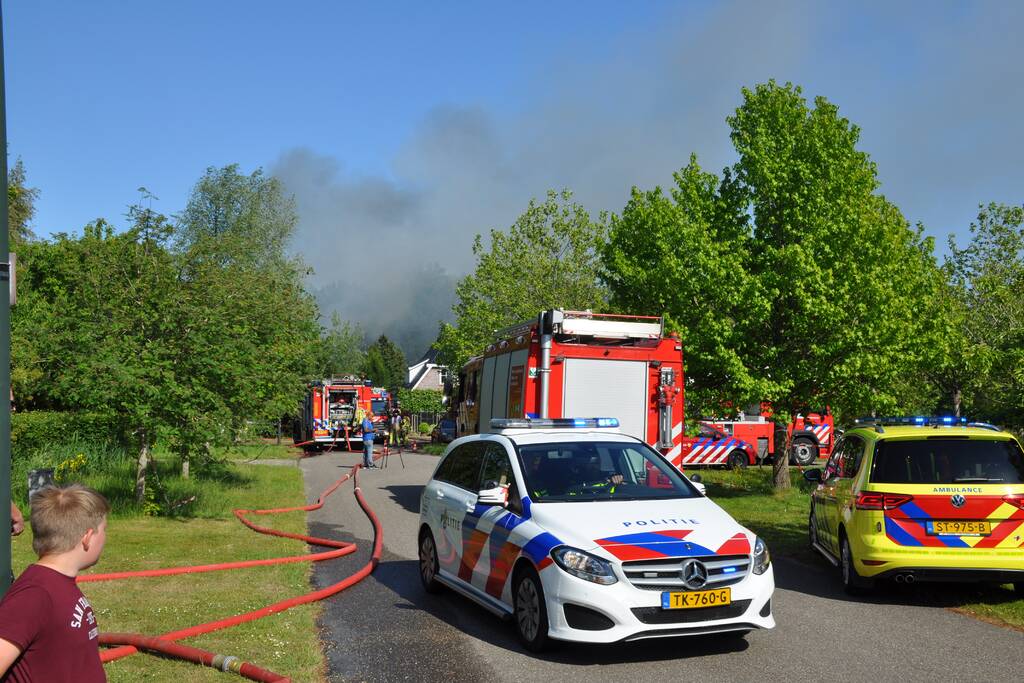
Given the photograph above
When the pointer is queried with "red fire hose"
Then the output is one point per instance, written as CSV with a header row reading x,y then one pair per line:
x,y
193,654
131,643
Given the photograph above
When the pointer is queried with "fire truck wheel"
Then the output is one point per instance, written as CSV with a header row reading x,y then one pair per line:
x,y
738,460
803,452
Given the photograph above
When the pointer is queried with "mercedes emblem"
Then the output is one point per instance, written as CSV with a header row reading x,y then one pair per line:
x,y
694,574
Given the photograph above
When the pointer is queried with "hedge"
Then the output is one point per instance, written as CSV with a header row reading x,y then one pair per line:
x,y
37,429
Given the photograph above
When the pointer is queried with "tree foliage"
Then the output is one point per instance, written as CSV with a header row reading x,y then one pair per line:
x,y
790,278
184,339
21,206
985,347
548,258
340,350
385,364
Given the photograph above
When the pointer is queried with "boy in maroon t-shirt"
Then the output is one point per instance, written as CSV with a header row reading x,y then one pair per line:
x,y
48,632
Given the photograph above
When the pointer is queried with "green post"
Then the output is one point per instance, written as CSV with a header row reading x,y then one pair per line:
x,y
5,343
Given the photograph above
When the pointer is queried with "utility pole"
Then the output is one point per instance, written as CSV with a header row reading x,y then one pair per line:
x,y
5,341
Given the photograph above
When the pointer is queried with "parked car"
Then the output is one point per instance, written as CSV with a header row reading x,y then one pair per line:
x,y
921,499
581,533
444,431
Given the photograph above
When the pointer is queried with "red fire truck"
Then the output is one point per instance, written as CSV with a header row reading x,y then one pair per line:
x,y
812,434
331,410
583,364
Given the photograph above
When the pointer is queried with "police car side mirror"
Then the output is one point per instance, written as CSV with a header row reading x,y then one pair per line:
x,y
493,496
696,481
813,475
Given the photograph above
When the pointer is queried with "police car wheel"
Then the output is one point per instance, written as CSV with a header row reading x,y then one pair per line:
x,y
803,452
428,563
531,616
738,460
853,583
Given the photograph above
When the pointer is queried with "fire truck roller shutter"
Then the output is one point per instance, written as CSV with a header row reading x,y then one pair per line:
x,y
499,397
486,395
608,388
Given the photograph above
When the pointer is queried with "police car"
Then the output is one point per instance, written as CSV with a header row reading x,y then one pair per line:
x,y
580,533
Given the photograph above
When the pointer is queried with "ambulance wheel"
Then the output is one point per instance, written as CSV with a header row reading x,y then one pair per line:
x,y
853,583
803,452
738,460
428,562
531,614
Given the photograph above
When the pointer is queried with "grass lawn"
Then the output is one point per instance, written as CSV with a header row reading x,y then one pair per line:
x,y
781,520
285,643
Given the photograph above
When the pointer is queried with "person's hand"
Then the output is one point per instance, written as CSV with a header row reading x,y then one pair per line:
x,y
17,521
615,479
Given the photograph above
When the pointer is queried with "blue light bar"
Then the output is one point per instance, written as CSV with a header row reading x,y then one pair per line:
x,y
555,423
916,420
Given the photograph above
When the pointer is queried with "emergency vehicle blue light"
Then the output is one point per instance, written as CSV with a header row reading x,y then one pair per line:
x,y
912,420
554,423
729,570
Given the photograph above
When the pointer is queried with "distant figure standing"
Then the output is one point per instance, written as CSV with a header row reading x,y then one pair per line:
x,y
368,435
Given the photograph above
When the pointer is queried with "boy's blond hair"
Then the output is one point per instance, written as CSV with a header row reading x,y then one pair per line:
x,y
62,514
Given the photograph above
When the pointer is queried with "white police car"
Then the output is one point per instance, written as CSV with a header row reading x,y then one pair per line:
x,y
581,533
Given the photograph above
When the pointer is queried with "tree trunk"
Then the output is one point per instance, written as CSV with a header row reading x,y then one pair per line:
x,y
183,451
957,399
780,466
140,470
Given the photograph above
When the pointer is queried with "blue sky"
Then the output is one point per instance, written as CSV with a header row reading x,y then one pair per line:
x,y
414,125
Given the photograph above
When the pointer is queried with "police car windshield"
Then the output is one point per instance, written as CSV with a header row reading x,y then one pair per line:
x,y
948,461
599,470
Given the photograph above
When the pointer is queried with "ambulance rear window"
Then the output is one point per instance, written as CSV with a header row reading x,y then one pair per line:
x,y
948,461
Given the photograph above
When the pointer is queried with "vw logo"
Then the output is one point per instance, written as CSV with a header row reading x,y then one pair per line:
x,y
958,501
694,574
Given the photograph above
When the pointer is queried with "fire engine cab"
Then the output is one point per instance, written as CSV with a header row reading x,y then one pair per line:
x,y
331,411
578,363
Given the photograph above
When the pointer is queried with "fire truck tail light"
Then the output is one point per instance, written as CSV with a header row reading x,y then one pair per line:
x,y
558,423
873,500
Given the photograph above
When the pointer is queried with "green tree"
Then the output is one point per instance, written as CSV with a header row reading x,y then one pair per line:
x,y
385,364
548,258
988,278
686,255
339,351
21,206
807,294
248,216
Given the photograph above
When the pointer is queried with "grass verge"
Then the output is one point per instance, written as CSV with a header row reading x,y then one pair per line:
x,y
286,643
780,518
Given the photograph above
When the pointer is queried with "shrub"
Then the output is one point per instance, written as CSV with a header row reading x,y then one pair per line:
x,y
426,428
42,429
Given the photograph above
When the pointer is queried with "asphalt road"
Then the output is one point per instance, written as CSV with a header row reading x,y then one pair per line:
x,y
386,628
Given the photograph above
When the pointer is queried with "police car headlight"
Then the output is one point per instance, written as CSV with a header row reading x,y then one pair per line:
x,y
584,565
761,557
